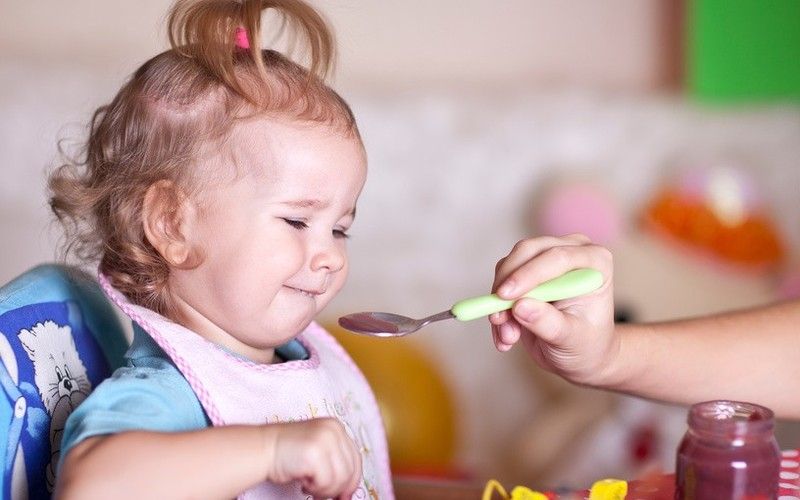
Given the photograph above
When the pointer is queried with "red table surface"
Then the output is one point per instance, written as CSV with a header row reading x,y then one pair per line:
x,y
660,487
663,487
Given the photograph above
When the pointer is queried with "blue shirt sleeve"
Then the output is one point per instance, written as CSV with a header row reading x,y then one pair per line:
x,y
148,394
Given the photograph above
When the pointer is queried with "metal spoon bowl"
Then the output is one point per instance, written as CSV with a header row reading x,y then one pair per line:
x,y
380,324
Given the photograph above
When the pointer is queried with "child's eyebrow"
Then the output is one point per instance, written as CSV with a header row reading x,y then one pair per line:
x,y
309,203
313,203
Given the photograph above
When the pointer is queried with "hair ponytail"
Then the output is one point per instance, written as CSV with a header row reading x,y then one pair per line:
x,y
206,31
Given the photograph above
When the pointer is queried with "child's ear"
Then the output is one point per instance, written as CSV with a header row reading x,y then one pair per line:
x,y
167,216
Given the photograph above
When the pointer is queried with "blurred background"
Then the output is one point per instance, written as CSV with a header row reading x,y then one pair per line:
x,y
668,130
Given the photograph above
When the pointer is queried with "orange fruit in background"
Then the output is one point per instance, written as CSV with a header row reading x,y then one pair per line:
x,y
752,242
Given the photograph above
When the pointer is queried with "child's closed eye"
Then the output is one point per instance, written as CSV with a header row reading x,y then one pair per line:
x,y
338,233
296,223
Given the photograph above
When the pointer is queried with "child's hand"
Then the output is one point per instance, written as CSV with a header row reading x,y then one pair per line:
x,y
573,337
319,453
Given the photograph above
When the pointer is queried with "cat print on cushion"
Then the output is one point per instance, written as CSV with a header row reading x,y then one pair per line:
x,y
60,376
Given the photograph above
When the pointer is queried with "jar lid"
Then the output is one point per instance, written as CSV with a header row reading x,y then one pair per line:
x,y
735,418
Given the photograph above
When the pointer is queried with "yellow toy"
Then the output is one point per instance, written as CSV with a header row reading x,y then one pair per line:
x,y
518,493
608,489
605,489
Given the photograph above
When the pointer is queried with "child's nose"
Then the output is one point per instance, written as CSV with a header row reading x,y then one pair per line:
x,y
329,256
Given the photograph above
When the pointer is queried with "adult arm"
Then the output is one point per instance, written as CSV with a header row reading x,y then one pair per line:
x,y
746,355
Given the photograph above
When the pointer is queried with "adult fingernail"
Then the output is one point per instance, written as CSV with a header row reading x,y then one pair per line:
x,y
507,288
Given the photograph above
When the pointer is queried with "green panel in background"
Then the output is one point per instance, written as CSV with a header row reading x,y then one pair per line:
x,y
743,49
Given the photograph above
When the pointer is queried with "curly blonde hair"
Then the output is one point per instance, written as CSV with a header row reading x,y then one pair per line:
x,y
174,107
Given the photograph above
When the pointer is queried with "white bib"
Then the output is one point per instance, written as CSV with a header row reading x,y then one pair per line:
x,y
233,390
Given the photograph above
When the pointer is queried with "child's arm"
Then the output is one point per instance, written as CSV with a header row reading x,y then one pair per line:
x,y
217,462
744,355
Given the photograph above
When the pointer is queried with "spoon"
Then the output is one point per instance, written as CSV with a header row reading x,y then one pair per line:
x,y
378,324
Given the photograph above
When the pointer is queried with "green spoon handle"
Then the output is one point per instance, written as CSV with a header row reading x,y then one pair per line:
x,y
571,284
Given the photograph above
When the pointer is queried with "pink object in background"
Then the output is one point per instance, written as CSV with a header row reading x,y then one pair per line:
x,y
789,287
581,208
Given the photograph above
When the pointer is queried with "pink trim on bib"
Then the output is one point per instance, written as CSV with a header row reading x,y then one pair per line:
x,y
184,367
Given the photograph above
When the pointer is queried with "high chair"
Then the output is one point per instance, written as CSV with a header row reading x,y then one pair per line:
x,y
59,338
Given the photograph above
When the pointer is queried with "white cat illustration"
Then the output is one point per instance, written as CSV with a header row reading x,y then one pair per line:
x,y
60,376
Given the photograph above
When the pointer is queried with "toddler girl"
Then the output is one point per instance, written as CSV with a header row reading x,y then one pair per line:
x,y
216,192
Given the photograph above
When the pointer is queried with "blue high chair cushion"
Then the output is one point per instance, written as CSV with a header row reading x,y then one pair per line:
x,y
59,338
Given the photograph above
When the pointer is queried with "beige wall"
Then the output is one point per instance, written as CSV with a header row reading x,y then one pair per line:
x,y
386,42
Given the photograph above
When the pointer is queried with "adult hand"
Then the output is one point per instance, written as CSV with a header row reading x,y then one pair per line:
x,y
574,337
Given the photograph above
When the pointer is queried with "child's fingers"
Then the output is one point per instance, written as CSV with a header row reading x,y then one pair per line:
x,y
321,455
338,475
353,473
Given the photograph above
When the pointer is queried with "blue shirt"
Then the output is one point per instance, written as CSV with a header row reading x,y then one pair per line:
x,y
148,394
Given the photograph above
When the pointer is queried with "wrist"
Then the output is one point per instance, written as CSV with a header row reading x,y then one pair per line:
x,y
267,439
612,373
626,365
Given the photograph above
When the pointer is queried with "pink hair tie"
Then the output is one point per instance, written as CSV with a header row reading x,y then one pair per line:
x,y
241,39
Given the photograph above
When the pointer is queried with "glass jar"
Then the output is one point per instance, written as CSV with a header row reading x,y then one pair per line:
x,y
729,451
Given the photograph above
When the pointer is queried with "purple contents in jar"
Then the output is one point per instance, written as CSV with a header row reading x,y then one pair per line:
x,y
729,451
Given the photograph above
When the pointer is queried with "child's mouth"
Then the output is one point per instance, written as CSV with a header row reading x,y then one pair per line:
x,y
305,292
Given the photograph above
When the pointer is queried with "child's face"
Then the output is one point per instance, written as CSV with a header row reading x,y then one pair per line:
x,y
273,240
